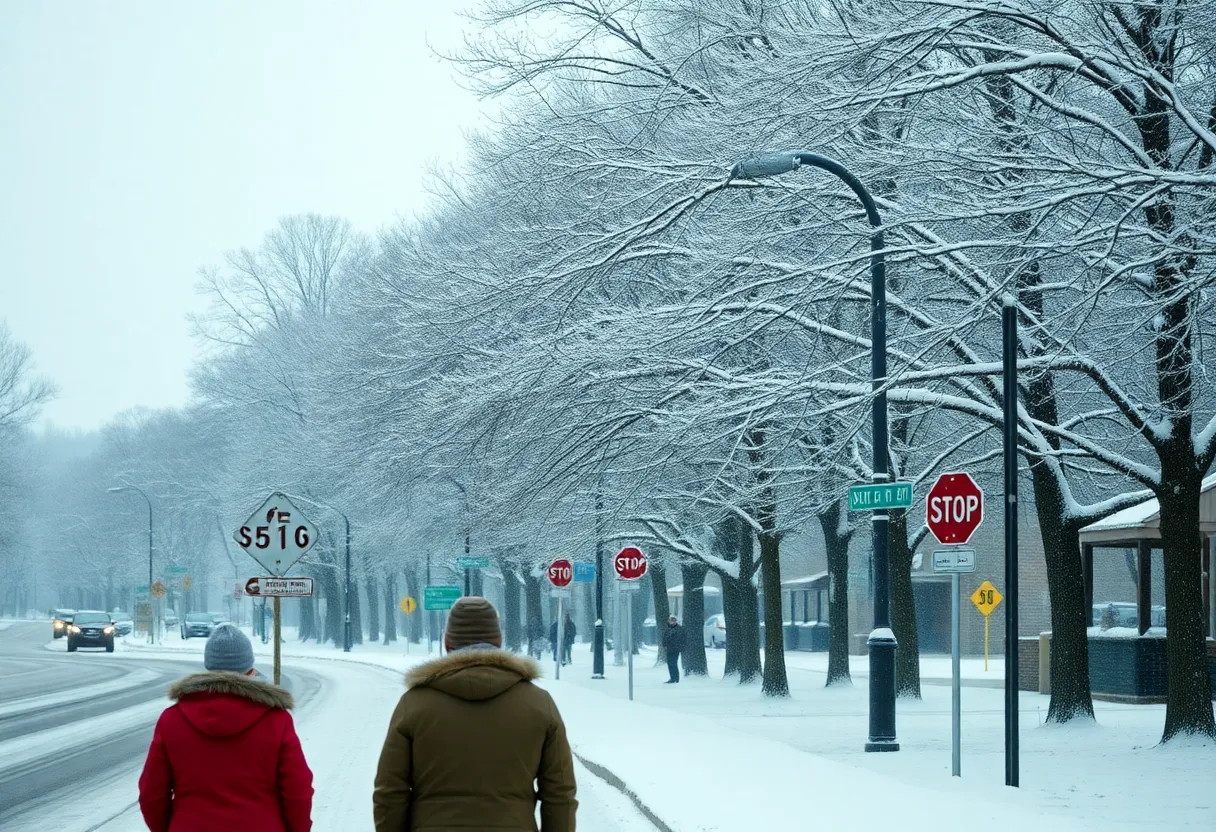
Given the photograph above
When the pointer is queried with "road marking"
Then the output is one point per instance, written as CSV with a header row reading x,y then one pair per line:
x,y
38,703
26,749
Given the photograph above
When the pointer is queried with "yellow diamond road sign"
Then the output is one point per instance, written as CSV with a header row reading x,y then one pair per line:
x,y
986,598
408,605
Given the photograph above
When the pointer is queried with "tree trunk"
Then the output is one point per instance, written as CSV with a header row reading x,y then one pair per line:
x,y
513,632
662,608
640,606
1188,709
836,545
903,609
693,574
535,616
308,619
750,667
776,682
356,613
390,608
373,609
732,612
333,607
414,621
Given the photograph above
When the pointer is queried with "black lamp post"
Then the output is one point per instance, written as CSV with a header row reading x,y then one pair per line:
x,y
882,639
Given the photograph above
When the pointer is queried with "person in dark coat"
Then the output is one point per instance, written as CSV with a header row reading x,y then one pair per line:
x,y
569,631
553,638
226,756
473,744
673,643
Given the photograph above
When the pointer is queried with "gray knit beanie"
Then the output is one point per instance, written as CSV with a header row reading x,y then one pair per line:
x,y
473,620
228,649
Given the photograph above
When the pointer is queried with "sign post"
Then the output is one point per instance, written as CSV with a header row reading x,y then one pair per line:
x,y
560,573
276,535
630,564
986,599
955,561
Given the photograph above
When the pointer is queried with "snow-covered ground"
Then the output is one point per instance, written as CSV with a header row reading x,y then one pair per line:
x,y
341,730
712,755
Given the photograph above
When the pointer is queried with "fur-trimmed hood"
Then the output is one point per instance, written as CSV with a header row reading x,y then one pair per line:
x,y
474,674
222,704
233,684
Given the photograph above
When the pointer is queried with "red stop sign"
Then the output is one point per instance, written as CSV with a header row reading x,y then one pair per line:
x,y
561,572
629,563
955,508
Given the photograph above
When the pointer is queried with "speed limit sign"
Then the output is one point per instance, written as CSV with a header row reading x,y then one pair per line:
x,y
276,535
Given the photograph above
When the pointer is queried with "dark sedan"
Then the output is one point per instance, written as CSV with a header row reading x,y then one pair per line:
x,y
60,621
91,629
198,624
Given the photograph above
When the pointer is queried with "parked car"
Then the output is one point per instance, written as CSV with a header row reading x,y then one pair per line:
x,y
714,631
218,618
123,625
1123,614
60,620
91,628
198,624
171,618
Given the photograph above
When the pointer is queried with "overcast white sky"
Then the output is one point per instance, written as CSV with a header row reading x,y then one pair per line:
x,y
139,140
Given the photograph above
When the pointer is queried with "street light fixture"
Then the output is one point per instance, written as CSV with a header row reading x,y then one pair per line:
x,y
881,642
119,488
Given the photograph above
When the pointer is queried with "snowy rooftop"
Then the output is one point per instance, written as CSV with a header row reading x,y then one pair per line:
x,y
678,589
1146,515
805,582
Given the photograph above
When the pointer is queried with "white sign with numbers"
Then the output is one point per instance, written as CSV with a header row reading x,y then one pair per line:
x,y
276,535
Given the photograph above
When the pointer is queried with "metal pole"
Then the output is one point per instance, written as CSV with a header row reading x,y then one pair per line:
x,y
956,692
882,641
561,632
430,614
278,640
1009,332
629,638
346,647
597,648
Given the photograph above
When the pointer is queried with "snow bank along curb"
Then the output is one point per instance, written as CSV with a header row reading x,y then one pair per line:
x,y
620,785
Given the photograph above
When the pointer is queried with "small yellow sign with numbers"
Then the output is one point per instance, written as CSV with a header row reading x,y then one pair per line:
x,y
986,598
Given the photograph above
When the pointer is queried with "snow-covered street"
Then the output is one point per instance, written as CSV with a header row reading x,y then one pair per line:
x,y
341,723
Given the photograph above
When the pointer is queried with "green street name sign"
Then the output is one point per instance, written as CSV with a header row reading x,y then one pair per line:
x,y
885,495
440,597
176,570
143,589
472,563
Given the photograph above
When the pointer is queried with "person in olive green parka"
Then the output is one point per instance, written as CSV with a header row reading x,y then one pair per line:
x,y
473,744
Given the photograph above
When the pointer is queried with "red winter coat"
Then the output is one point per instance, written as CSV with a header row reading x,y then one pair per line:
x,y
226,757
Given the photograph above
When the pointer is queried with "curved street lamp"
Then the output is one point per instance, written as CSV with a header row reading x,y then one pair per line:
x,y
881,642
119,488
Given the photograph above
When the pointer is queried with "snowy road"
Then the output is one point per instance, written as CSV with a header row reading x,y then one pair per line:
x,y
71,725
341,725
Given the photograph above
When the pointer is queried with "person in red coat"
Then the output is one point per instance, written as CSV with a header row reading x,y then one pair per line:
x,y
226,756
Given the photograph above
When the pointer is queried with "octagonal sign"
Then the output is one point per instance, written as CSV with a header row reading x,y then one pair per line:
x,y
954,508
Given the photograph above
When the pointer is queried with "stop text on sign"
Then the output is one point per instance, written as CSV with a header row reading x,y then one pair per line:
x,y
630,563
561,572
948,509
954,508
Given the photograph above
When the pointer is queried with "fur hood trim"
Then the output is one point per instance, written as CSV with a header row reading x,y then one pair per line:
x,y
424,674
233,684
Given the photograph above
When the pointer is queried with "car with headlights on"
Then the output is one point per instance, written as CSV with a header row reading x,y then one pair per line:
x,y
90,628
60,621
197,624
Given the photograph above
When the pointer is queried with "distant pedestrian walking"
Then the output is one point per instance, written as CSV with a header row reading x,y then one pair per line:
x,y
226,756
473,744
553,640
673,643
569,631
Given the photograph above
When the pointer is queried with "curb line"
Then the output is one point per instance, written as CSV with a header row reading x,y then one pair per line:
x,y
619,784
